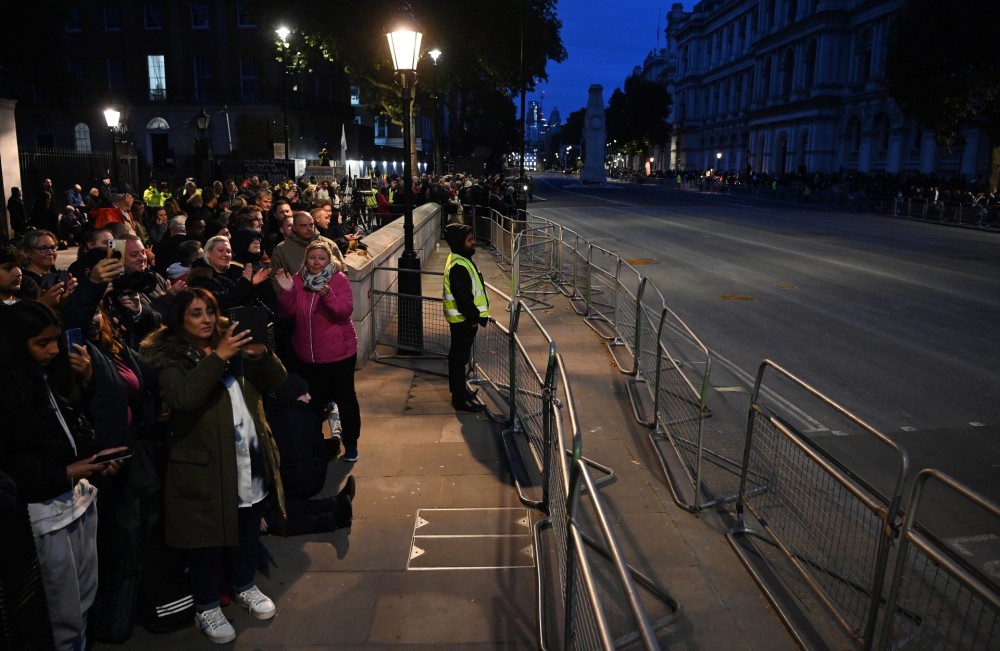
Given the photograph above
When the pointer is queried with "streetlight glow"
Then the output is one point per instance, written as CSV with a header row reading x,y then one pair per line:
x,y
404,47
111,116
283,33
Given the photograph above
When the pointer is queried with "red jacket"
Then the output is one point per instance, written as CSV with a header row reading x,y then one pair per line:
x,y
324,331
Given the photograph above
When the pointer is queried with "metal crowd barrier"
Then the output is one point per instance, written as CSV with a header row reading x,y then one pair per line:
x,y
943,593
833,530
670,368
595,613
533,267
600,602
419,329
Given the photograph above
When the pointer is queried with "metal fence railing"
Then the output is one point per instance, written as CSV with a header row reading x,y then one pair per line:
x,y
834,529
596,604
943,592
601,605
965,212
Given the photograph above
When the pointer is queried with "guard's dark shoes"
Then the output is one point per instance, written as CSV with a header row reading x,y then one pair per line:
x,y
467,405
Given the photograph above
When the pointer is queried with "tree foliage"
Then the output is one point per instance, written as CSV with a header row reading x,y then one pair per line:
x,y
481,45
943,67
637,116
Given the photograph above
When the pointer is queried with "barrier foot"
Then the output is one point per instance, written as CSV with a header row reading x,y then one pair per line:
x,y
623,356
518,469
802,625
642,402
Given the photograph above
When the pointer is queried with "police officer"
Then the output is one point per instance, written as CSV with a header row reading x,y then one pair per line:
x,y
466,307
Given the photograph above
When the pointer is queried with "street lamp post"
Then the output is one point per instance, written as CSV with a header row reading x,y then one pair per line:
x,y
118,131
202,121
718,160
404,47
283,33
435,132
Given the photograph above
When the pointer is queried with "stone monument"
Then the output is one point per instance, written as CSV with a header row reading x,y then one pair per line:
x,y
594,138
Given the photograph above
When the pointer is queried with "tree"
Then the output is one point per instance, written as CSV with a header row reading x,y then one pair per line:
x,y
637,116
943,67
481,45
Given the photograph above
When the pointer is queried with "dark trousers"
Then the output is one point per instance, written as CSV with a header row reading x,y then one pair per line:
x,y
463,336
335,382
240,563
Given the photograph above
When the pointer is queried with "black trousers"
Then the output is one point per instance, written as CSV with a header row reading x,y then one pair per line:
x,y
463,336
334,381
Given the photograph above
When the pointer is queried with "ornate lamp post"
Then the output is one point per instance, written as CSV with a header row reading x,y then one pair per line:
x,y
435,132
201,145
119,139
283,33
404,46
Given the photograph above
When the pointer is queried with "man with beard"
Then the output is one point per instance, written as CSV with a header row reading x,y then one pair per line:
x,y
466,307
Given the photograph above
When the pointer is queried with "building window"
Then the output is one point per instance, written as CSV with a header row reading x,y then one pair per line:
x,y
792,9
157,69
242,17
810,64
112,18
787,72
249,79
81,137
153,15
355,95
202,77
854,135
200,15
765,79
865,56
157,124
116,74
74,19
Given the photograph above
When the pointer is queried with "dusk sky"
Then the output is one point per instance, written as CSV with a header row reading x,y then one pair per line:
x,y
605,40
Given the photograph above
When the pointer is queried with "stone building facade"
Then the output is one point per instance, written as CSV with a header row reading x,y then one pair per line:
x,y
795,86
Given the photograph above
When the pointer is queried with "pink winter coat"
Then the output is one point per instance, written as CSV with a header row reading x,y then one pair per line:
x,y
323,329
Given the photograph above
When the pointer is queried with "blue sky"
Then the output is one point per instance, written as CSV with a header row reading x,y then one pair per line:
x,y
605,40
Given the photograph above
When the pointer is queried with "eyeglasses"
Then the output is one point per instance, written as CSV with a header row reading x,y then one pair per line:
x,y
45,249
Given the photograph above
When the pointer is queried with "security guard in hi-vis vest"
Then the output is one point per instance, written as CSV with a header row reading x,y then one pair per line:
x,y
466,307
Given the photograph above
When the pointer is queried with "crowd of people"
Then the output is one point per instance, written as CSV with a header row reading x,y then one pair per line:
x,y
169,391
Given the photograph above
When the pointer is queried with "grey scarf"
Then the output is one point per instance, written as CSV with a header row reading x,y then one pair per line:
x,y
315,282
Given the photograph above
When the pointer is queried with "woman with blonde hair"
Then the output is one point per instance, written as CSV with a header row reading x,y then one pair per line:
x,y
323,338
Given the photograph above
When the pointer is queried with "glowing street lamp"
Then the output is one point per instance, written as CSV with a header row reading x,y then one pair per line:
x,y
404,39
283,33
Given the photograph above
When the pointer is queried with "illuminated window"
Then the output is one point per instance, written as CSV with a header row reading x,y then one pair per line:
x,y
81,137
157,77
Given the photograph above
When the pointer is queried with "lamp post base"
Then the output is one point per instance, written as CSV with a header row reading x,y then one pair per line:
x,y
410,333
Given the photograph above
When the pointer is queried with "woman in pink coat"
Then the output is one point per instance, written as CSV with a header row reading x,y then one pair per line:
x,y
324,340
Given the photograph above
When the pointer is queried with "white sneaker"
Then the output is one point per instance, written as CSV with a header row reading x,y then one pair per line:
x,y
215,625
258,603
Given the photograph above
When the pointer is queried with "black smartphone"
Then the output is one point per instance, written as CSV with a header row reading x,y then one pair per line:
x,y
73,336
121,455
254,319
52,278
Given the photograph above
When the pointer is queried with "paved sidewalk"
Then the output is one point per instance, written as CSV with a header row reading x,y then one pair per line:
x,y
435,504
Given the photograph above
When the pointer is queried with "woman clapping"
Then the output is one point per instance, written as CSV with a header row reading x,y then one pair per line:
x,y
324,340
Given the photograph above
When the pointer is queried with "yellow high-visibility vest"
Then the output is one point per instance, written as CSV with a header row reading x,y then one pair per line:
x,y
479,297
